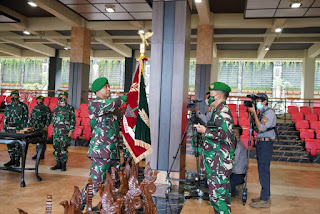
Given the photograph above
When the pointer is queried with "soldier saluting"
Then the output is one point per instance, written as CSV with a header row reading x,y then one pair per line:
x,y
15,118
218,148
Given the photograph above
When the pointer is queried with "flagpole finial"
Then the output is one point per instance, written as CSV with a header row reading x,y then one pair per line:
x,y
144,36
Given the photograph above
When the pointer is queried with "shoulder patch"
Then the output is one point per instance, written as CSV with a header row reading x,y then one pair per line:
x,y
264,120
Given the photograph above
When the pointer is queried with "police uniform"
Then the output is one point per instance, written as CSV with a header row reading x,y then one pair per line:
x,y
218,153
103,149
64,121
265,147
15,118
40,118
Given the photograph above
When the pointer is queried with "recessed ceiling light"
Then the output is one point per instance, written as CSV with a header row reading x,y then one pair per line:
x,y
295,5
32,4
66,48
198,1
266,48
26,32
278,30
141,31
110,8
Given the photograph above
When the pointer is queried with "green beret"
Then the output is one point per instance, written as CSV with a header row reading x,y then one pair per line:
x,y
14,92
219,86
99,83
40,97
63,93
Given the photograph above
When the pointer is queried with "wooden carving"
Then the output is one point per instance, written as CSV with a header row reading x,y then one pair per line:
x,y
148,188
49,204
108,203
132,198
124,180
89,196
110,183
75,203
21,211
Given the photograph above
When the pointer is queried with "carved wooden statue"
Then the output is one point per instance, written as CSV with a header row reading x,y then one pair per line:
x,y
49,204
89,196
124,180
148,188
132,198
110,183
75,204
108,203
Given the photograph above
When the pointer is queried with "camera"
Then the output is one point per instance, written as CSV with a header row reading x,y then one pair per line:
x,y
192,103
192,114
252,102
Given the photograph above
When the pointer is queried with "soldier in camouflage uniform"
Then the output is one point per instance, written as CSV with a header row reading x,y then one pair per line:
x,y
219,148
16,118
40,120
103,148
64,121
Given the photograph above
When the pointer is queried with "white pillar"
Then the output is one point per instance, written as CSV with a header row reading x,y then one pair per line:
x,y
308,74
214,70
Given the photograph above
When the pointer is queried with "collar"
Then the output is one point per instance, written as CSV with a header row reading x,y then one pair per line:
x,y
221,105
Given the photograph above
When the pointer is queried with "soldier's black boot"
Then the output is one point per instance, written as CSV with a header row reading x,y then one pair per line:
x,y
57,166
17,161
64,166
11,162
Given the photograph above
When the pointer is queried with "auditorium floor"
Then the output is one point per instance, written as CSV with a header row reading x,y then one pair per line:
x,y
295,187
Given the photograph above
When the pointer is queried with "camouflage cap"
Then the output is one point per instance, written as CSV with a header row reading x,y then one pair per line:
x,y
14,92
262,96
99,83
63,93
219,86
40,97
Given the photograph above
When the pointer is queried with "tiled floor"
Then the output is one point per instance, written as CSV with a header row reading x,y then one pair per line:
x,y
295,187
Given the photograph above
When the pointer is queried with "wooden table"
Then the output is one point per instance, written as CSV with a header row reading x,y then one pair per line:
x,y
23,140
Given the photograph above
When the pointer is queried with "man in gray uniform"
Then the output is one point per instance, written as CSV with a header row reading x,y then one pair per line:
x,y
265,121
209,110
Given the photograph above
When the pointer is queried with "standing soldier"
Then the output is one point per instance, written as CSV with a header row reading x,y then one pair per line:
x,y
64,121
218,149
16,118
103,148
40,120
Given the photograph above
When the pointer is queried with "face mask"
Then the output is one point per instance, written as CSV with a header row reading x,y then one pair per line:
x,y
259,106
211,100
62,100
40,103
14,99
206,102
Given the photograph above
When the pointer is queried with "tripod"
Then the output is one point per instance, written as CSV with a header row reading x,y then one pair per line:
x,y
197,178
244,194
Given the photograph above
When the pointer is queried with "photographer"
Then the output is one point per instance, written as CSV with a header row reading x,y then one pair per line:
x,y
219,148
265,122
209,109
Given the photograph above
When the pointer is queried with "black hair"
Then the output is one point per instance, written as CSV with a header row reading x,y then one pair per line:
x,y
238,128
208,93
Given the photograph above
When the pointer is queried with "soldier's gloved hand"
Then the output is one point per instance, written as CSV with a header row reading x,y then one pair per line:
x,y
201,129
70,134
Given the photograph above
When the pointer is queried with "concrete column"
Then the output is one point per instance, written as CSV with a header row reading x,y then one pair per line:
x,y
130,66
54,82
169,82
214,69
308,74
79,66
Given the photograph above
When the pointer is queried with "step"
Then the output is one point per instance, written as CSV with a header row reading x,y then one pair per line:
x,y
290,142
289,137
290,159
285,125
288,147
286,128
291,153
285,132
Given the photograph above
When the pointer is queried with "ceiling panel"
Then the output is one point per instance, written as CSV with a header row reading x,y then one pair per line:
x,y
84,8
6,19
313,12
16,46
286,3
102,1
55,46
122,32
119,16
257,4
142,16
259,13
290,46
118,8
139,7
238,46
99,47
225,6
240,31
94,16
22,7
65,32
290,12
302,30
316,3
131,1
73,1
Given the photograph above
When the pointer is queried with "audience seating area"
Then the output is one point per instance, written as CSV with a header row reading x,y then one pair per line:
x,y
306,120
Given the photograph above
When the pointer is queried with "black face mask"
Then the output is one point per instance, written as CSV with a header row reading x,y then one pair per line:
x,y
40,103
62,100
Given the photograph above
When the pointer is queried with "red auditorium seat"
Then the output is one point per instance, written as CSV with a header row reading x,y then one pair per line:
x,y
83,107
318,134
78,121
311,117
313,146
1,117
293,109
85,121
246,131
46,101
8,99
27,103
232,107
2,98
306,134
1,125
50,131
234,113
34,99
51,106
316,110
244,122
54,100
245,140
76,133
296,116
31,106
242,108
89,100
302,124
305,109
87,133
243,114
77,113
235,120
84,113
315,125
80,127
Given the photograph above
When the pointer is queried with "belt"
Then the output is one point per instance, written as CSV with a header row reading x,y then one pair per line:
x,y
263,139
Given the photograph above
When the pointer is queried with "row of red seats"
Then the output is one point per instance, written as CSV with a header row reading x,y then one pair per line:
x,y
79,131
308,116
303,109
312,146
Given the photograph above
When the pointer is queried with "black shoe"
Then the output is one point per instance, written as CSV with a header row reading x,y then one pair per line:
x,y
57,166
17,162
64,166
10,163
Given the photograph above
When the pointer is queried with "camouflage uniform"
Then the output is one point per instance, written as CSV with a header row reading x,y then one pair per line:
x,y
16,118
40,118
64,121
103,148
218,155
